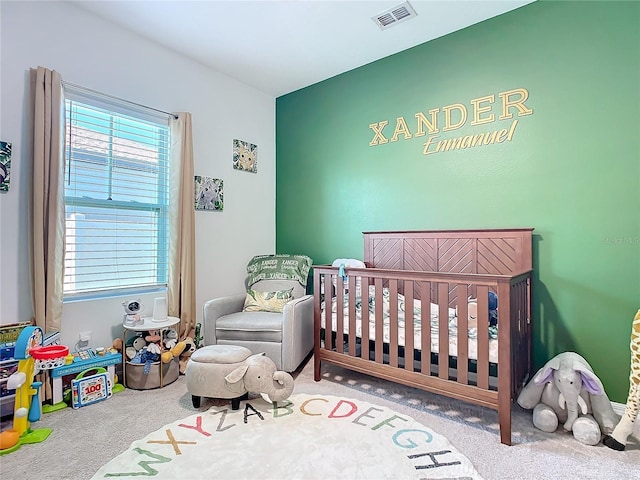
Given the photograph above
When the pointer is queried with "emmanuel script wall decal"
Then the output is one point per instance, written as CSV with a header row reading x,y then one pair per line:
x,y
482,110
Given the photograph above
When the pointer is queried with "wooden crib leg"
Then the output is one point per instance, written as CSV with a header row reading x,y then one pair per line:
x,y
316,368
504,417
505,428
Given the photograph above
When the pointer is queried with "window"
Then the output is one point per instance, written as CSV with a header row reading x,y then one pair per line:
x,y
116,198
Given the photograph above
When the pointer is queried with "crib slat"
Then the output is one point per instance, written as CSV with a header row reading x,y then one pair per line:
x,y
425,328
364,319
352,316
483,336
339,314
393,323
408,325
328,289
443,330
463,334
379,326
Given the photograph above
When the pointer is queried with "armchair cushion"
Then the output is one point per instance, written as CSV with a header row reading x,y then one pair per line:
x,y
297,290
257,301
250,326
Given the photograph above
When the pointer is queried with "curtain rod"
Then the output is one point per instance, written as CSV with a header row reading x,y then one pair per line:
x,y
73,85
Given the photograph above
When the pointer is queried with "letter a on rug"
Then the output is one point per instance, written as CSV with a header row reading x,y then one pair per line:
x,y
304,437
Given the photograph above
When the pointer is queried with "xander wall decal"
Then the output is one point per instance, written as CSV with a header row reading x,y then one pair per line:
x,y
483,110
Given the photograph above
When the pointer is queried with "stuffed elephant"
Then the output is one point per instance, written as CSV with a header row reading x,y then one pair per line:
x,y
226,371
566,390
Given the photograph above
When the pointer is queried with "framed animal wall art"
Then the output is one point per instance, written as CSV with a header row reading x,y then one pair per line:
x,y
245,156
5,166
209,194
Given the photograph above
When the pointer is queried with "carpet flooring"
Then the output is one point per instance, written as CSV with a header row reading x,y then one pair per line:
x,y
84,440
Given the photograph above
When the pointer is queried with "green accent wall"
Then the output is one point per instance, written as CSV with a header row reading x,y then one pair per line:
x,y
571,169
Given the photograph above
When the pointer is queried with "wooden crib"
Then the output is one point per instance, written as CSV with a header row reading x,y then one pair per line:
x,y
418,290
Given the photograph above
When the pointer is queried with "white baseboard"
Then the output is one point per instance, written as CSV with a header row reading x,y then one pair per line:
x,y
618,407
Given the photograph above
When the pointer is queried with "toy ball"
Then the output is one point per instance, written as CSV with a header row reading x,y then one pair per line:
x,y
8,439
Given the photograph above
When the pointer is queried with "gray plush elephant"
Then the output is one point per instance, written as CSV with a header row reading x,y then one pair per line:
x,y
223,371
566,390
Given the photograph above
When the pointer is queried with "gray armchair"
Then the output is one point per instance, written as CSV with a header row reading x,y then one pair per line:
x,y
286,337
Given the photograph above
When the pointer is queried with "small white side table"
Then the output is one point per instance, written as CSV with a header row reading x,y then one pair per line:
x,y
147,324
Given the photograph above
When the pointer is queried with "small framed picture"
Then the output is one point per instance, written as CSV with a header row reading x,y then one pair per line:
x,y
209,193
245,156
5,166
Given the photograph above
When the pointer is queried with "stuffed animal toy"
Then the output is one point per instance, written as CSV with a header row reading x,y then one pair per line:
x,y
154,348
472,311
618,438
152,336
116,346
134,345
566,390
170,338
198,337
145,357
173,352
190,347
493,311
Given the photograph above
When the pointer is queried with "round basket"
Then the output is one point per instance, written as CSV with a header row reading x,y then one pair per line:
x,y
51,356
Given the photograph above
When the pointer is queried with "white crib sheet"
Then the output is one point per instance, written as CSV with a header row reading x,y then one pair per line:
x,y
435,324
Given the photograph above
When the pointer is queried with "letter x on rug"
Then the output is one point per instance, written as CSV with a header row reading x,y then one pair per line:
x,y
304,437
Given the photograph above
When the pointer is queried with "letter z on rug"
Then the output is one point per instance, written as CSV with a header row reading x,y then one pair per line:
x,y
304,437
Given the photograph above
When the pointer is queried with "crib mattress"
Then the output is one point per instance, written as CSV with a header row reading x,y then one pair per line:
x,y
452,322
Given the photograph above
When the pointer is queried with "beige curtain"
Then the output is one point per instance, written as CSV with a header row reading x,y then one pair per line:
x,y
181,289
48,221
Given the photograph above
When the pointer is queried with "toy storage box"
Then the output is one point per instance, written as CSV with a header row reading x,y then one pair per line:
x,y
136,378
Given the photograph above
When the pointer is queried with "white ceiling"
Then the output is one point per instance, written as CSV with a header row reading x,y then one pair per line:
x,y
282,46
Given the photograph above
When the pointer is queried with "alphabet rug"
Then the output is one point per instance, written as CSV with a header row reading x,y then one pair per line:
x,y
304,437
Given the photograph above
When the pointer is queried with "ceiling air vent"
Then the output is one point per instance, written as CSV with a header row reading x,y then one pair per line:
x,y
394,15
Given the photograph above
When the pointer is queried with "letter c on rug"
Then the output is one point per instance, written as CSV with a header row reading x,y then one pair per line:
x,y
304,410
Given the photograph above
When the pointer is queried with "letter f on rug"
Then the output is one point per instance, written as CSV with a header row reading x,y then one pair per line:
x,y
305,437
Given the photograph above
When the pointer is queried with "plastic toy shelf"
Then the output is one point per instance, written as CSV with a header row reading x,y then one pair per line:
x,y
108,360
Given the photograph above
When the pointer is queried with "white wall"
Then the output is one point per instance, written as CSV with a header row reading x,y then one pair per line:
x,y
91,52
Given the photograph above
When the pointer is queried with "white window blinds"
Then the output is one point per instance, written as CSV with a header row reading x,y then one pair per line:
x,y
116,199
